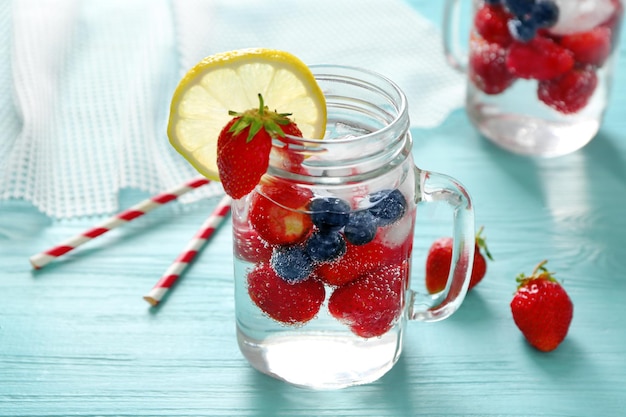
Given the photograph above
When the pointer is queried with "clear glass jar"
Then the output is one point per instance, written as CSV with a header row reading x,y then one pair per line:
x,y
323,245
539,72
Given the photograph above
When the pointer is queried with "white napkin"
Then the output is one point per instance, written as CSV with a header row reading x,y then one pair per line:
x,y
85,85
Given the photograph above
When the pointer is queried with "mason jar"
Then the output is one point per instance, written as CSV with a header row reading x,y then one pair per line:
x,y
323,244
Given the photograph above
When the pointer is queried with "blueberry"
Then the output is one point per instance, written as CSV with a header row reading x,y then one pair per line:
x,y
329,213
325,246
520,8
523,31
545,14
361,227
291,263
389,206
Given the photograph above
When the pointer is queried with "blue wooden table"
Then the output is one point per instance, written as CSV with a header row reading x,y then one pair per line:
x,y
76,338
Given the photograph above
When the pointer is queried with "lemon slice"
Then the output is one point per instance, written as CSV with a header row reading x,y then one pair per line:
x,y
232,81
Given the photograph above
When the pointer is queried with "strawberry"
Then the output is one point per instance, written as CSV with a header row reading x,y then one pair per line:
x,y
371,304
540,59
286,302
592,47
244,146
249,246
278,213
491,23
480,263
359,260
570,92
440,257
438,264
541,309
614,22
289,160
487,67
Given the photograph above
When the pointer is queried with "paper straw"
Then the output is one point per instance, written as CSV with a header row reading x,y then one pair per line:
x,y
171,275
41,259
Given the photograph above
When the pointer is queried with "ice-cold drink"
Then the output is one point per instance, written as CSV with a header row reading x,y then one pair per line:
x,y
321,286
323,244
540,71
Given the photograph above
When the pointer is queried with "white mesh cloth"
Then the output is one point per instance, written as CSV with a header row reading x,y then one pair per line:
x,y
85,85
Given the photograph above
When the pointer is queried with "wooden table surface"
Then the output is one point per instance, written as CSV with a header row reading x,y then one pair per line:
x,y
76,338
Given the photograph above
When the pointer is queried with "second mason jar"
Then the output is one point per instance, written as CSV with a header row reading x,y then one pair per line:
x,y
539,71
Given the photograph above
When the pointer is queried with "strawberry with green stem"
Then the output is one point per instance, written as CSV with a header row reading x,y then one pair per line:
x,y
440,257
542,309
244,146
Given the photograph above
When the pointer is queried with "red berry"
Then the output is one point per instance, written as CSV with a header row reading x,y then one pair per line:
x,y
570,92
438,264
487,67
358,260
241,163
614,22
244,146
371,304
361,259
542,310
491,23
479,269
249,246
440,257
540,59
286,302
277,213
290,160
592,47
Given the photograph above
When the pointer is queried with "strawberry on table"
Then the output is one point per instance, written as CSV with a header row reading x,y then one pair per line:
x,y
438,264
541,309
287,302
440,257
244,145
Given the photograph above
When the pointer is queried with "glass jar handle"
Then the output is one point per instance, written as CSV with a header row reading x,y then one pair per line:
x,y
434,187
454,54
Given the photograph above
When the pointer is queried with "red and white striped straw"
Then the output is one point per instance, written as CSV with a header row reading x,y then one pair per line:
x,y
171,275
41,259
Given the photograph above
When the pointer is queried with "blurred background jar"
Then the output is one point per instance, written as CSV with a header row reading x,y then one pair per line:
x,y
539,71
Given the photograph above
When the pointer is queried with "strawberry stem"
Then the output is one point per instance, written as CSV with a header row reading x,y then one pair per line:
x,y
482,243
259,118
540,267
540,271
261,104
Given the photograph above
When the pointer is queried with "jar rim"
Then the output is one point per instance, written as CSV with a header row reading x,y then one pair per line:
x,y
362,77
367,131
